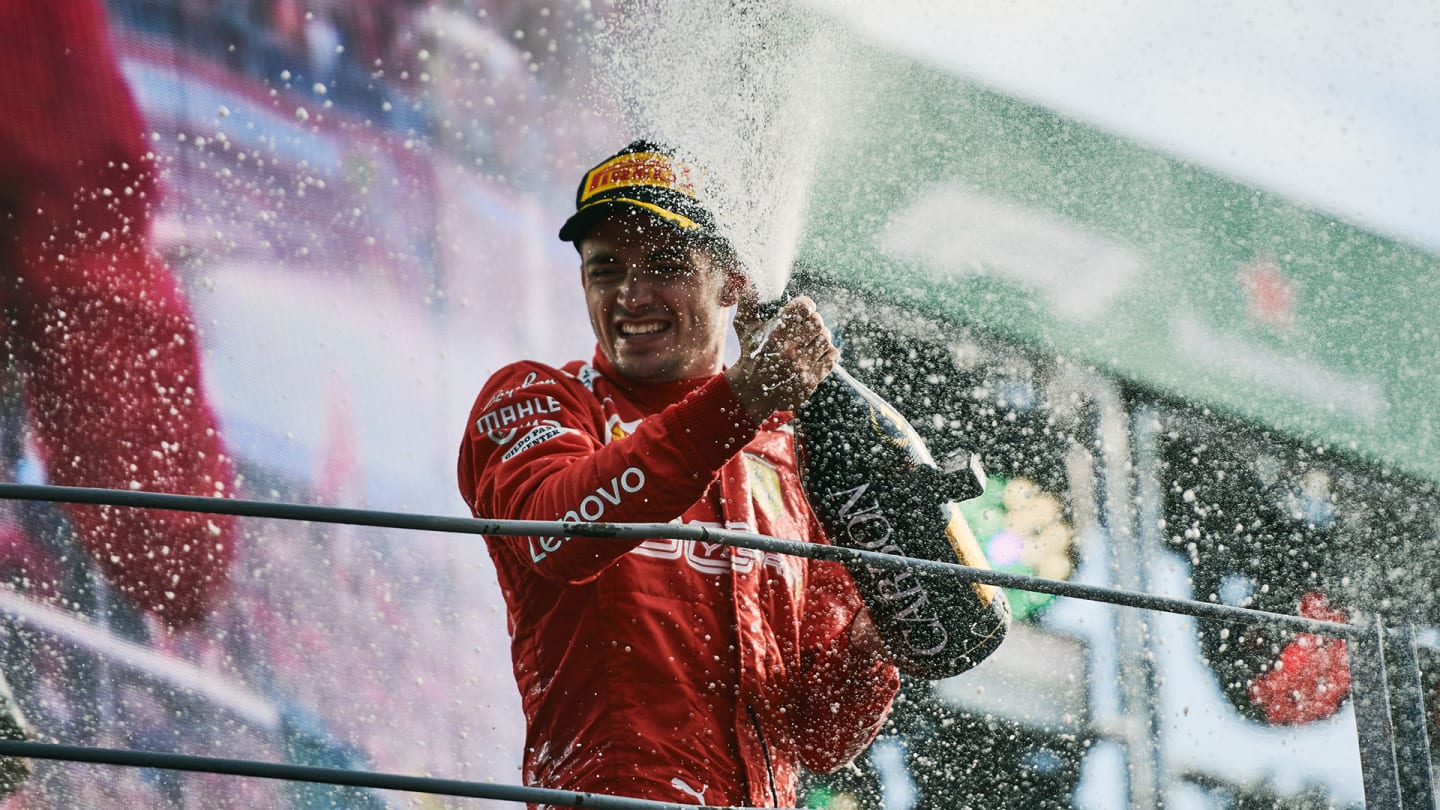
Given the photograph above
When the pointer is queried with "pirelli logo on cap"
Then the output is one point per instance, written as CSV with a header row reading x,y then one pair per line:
x,y
639,169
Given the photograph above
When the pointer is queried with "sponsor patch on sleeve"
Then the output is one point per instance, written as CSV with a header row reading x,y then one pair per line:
x,y
501,423
586,375
537,436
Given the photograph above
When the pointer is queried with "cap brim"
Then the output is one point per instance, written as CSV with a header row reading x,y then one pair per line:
x,y
583,220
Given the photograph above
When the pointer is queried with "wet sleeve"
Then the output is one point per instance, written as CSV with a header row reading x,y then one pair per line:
x,y
535,449
843,694
113,379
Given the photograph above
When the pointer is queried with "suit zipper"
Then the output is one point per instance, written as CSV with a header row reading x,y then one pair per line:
x,y
765,751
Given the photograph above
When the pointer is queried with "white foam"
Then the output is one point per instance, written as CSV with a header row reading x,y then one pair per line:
x,y
753,92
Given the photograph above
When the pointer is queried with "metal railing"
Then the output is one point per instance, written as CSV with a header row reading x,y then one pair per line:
x,y
1386,689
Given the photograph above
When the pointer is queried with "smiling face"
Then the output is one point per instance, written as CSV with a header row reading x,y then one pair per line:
x,y
657,299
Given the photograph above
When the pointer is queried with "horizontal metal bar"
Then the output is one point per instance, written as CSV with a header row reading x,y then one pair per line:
x,y
676,531
131,758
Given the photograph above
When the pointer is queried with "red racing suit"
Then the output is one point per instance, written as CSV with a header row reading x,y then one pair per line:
x,y
669,670
106,346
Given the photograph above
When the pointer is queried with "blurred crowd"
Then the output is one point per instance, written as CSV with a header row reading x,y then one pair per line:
x,y
495,81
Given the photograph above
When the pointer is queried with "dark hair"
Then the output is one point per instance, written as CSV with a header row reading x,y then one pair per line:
x,y
718,246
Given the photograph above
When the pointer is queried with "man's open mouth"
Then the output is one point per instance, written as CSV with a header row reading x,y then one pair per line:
x,y
628,330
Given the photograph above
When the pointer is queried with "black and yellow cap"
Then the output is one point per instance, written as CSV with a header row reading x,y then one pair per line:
x,y
642,176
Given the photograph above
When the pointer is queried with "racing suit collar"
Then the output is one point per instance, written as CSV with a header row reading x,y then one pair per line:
x,y
655,395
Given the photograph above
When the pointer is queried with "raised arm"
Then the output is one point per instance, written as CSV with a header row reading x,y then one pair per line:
x,y
535,449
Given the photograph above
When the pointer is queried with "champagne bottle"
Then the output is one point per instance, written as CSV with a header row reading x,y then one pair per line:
x,y
873,484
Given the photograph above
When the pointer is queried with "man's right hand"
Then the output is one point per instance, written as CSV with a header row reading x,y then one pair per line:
x,y
780,368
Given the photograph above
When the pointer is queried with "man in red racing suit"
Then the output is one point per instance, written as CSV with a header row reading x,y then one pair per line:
x,y
678,671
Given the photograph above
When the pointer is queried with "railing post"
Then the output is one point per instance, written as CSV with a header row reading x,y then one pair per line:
x,y
1407,719
1372,719
1136,676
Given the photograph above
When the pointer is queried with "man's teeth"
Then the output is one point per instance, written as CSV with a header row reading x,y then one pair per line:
x,y
630,329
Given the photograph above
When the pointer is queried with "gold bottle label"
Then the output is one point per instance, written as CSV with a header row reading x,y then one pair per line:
x,y
967,551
